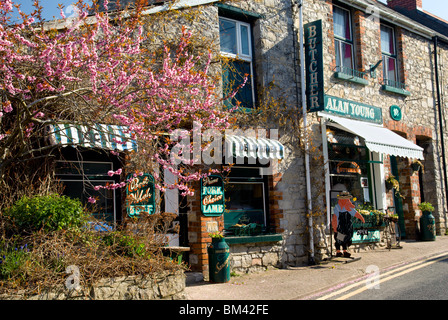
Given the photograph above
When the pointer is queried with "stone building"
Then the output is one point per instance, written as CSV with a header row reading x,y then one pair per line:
x,y
380,62
370,79
379,115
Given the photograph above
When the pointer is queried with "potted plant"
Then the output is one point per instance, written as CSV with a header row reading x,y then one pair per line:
x,y
216,236
427,222
416,165
426,207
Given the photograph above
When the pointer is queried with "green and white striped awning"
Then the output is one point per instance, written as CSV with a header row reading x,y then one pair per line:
x,y
251,147
101,136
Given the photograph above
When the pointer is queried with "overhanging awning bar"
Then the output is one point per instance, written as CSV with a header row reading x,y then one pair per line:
x,y
378,138
101,136
252,147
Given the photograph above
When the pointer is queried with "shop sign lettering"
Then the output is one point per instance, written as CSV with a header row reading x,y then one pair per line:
x,y
314,66
354,110
212,196
140,195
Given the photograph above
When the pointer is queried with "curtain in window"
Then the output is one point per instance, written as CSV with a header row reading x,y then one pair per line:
x,y
344,59
341,21
390,69
387,42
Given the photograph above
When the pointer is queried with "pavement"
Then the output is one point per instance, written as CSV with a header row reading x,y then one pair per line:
x,y
308,282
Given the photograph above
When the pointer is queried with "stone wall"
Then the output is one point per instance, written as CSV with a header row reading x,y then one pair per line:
x,y
157,287
247,258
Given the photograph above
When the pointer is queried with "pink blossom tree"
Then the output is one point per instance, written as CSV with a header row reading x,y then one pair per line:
x,y
96,69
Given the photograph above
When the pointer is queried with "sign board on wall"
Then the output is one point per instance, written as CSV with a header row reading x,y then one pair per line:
x,y
353,110
314,66
212,196
395,113
140,195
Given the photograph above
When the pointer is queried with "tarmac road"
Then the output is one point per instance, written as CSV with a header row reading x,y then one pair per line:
x,y
312,282
425,281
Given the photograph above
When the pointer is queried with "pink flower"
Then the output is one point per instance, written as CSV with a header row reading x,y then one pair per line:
x,y
91,200
111,173
7,107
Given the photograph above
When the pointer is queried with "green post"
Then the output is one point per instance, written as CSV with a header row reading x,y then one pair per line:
x,y
218,261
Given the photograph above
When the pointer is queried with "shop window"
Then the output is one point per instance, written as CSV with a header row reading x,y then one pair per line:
x,y
343,39
350,167
246,202
80,178
236,50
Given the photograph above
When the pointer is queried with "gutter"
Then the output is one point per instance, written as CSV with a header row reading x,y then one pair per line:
x,y
397,19
167,6
439,107
311,258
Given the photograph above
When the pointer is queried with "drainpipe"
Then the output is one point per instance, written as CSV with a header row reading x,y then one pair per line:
x,y
439,107
311,259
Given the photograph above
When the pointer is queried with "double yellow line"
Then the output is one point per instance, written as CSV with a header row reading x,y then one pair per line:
x,y
386,276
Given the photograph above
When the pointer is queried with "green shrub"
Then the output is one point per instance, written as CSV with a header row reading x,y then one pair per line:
x,y
124,244
426,206
13,261
48,213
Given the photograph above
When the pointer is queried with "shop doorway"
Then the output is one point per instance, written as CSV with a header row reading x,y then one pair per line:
x,y
398,201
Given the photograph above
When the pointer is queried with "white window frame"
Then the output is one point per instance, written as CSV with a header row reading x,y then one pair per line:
x,y
390,56
239,55
339,41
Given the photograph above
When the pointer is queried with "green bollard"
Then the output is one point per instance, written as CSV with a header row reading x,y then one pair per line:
x,y
428,226
218,261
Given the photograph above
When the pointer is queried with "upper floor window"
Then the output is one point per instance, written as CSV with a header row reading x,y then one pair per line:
x,y
343,38
236,45
388,50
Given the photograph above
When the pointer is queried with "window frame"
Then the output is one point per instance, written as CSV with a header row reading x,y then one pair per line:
x,y
386,56
239,55
339,41
89,180
253,180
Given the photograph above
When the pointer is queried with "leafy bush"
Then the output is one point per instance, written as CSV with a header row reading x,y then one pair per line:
x,y
426,206
49,213
123,244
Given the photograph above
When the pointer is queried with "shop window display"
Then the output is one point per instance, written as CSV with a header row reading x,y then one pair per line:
x,y
246,202
80,179
349,166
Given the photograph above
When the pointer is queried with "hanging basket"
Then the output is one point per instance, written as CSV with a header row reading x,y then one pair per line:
x,y
415,166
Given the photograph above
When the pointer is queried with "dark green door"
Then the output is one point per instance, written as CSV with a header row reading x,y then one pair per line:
x,y
398,201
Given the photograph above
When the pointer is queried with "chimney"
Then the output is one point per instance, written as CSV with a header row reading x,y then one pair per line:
x,y
405,4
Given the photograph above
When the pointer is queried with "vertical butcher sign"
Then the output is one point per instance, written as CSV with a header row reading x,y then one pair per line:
x,y
140,195
212,196
314,66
